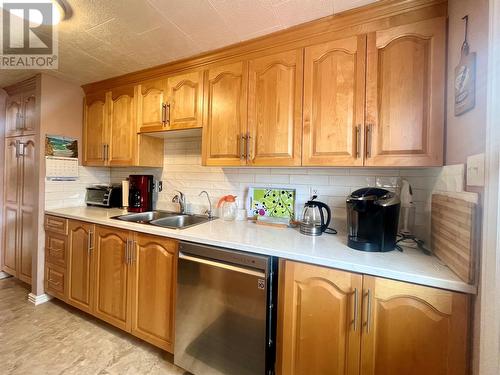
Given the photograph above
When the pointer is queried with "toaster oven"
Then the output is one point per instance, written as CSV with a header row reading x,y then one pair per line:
x,y
104,196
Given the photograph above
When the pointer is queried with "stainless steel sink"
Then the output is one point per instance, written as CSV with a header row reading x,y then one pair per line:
x,y
165,219
180,221
145,217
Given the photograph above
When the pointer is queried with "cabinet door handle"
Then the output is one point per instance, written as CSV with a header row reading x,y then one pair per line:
x,y
369,134
90,240
358,141
163,114
355,313
167,114
249,147
17,148
133,247
243,146
368,310
127,251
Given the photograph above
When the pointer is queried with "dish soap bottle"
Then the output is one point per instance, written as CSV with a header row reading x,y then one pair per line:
x,y
228,207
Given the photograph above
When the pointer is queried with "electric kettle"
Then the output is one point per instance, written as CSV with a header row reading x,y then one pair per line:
x,y
313,221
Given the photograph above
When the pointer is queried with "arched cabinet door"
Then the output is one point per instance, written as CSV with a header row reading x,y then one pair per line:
x,y
319,329
405,95
29,115
122,127
111,297
334,102
154,278
275,109
14,115
413,330
224,132
185,102
80,265
94,130
151,102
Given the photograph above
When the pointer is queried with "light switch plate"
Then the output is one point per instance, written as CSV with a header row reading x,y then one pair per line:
x,y
475,170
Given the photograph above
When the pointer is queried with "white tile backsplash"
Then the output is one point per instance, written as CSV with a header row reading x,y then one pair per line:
x,y
182,170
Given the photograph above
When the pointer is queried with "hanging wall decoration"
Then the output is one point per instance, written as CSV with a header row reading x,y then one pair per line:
x,y
465,77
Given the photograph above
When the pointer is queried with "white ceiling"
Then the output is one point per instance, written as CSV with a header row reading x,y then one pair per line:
x,y
106,38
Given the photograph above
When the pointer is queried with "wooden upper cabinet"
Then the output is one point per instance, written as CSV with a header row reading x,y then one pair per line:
x,y
122,132
111,293
413,330
154,279
94,130
319,326
29,113
405,95
13,115
151,106
185,101
80,265
275,109
225,129
334,102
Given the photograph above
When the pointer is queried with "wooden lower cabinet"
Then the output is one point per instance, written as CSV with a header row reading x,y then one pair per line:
x,y
413,330
319,323
127,279
335,322
153,289
111,283
80,265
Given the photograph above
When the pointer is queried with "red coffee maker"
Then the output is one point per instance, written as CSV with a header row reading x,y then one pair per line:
x,y
140,194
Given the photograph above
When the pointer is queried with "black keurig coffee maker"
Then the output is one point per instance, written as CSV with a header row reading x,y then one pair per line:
x,y
372,219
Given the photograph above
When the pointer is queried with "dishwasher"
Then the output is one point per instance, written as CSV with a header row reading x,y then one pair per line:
x,y
225,319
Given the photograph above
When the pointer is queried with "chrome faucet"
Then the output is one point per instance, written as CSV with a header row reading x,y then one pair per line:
x,y
209,211
181,199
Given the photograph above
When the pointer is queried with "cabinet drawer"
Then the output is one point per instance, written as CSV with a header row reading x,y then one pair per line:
x,y
55,279
56,224
55,249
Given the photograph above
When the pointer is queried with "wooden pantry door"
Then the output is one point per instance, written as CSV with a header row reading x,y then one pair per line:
x,y
275,109
334,102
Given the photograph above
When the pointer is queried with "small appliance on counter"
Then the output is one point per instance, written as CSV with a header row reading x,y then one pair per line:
x,y
104,196
313,221
372,219
140,196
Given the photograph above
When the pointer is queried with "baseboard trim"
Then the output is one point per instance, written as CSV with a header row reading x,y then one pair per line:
x,y
4,275
38,300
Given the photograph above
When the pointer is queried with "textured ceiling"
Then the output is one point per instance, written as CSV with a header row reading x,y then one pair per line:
x,y
106,38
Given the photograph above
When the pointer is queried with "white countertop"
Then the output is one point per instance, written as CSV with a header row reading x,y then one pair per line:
x,y
327,250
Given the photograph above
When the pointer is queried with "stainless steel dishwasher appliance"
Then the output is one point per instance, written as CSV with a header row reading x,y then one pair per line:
x,y
225,312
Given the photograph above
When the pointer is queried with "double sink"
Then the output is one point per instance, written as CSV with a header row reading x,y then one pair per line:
x,y
165,219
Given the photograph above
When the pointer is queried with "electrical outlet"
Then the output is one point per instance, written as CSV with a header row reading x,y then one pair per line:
x,y
475,170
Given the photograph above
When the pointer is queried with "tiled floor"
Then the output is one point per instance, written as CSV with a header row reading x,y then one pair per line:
x,y
54,338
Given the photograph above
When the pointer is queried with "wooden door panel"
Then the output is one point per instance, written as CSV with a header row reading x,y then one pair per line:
x,y
122,128
28,196
151,98
153,291
334,87
29,116
94,130
111,277
317,334
275,109
26,244
405,94
55,281
185,101
11,214
225,115
80,265
12,172
56,249
13,115
414,330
